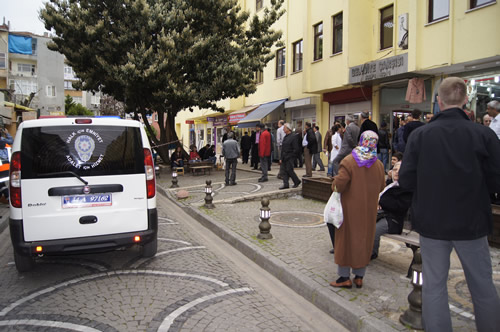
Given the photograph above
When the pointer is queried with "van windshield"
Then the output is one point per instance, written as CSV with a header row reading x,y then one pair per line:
x,y
85,150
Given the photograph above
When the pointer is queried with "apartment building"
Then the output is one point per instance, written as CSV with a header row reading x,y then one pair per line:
x,y
344,57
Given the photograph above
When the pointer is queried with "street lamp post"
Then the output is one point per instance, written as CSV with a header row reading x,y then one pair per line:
x,y
264,225
208,195
412,317
174,179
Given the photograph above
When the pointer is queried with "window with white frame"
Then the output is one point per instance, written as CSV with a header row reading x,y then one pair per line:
x,y
3,60
68,70
259,77
23,87
318,41
479,3
68,85
280,63
298,55
386,27
51,91
337,33
77,100
438,9
26,68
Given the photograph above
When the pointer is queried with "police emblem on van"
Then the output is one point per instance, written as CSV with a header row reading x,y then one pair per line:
x,y
84,145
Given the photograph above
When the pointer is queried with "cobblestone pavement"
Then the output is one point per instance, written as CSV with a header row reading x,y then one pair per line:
x,y
185,287
301,243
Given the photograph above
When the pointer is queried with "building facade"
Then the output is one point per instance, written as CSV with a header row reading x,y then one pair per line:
x,y
344,57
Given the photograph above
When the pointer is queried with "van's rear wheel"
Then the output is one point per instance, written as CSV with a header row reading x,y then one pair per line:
x,y
23,263
150,249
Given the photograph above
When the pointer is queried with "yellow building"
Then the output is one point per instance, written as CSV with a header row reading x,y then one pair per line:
x,y
345,57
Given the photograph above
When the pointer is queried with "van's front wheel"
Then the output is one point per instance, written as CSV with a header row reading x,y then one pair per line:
x,y
150,249
23,263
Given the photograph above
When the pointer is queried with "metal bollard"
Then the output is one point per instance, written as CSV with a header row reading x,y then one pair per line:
x,y
174,179
264,225
412,317
208,195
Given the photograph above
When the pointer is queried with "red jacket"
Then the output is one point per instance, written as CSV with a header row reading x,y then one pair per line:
x,y
265,144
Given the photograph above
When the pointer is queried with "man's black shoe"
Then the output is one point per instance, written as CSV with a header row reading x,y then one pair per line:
x,y
227,183
297,184
233,183
374,256
306,176
332,251
262,180
284,187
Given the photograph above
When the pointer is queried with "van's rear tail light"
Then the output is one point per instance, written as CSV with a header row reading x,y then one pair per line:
x,y
150,173
83,121
15,180
137,238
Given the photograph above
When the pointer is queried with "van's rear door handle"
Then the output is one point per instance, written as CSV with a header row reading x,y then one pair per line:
x,y
78,190
88,220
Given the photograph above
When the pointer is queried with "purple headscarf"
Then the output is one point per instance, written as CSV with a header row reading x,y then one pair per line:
x,y
365,153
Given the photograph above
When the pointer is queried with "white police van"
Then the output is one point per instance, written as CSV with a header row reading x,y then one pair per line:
x,y
81,185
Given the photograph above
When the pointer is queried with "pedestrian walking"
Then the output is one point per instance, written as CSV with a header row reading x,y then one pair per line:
x,y
413,124
349,142
290,149
451,207
310,148
366,124
264,152
299,162
360,180
317,156
231,152
493,109
246,145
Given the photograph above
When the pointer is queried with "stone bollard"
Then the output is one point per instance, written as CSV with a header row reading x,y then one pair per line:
x,y
208,195
412,317
265,226
174,179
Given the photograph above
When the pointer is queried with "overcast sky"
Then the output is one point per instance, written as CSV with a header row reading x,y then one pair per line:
x,y
22,14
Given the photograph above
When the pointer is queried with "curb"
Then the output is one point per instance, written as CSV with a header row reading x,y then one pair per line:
x,y
351,316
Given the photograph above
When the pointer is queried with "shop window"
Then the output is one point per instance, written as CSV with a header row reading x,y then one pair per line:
x,y
479,3
209,136
259,77
318,41
280,63
386,27
258,4
298,55
438,9
337,33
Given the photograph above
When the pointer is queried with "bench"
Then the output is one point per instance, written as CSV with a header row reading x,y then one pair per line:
x,y
197,169
412,241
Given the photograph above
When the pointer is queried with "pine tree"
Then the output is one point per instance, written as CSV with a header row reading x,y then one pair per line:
x,y
164,55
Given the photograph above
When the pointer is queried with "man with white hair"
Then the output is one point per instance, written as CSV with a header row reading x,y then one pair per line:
x,y
290,149
349,142
469,170
493,109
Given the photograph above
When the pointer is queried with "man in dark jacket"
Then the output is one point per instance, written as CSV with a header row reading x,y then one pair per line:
x,y
451,165
246,145
309,149
413,124
366,124
289,150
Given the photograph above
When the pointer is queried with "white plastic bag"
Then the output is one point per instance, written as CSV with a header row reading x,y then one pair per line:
x,y
333,210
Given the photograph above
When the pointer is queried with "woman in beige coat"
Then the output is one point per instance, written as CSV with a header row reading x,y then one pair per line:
x,y
360,179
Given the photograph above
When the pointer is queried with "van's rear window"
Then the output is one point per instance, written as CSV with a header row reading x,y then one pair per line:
x,y
84,150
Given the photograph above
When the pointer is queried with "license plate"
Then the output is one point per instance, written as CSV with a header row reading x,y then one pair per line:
x,y
83,201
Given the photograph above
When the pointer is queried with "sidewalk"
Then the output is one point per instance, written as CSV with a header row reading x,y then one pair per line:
x,y
299,255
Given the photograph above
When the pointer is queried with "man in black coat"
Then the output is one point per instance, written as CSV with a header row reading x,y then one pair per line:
x,y
366,124
254,162
413,124
290,148
452,164
310,149
246,145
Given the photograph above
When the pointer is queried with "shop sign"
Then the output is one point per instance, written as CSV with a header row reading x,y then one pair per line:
x,y
379,69
189,121
235,118
220,121
210,119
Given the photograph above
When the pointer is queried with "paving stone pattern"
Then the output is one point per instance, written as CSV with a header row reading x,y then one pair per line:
x,y
186,287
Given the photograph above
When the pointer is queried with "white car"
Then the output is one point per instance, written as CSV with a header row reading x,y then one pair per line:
x,y
81,185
